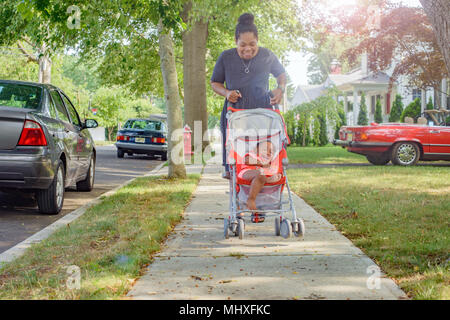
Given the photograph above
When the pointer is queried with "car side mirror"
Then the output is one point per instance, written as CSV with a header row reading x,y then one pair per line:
x,y
90,123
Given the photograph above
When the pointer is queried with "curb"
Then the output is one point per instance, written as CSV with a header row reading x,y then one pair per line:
x,y
20,248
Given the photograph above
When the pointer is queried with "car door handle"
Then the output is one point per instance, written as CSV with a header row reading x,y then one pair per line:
x,y
434,131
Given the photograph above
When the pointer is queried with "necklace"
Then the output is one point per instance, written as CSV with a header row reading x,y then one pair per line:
x,y
246,68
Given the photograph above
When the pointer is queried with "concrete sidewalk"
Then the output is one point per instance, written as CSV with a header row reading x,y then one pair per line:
x,y
196,262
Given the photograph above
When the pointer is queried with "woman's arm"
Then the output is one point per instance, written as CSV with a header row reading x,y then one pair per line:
x,y
279,91
231,95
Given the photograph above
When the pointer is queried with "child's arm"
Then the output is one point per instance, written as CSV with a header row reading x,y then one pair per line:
x,y
254,161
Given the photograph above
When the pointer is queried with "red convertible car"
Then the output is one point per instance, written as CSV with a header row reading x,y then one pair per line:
x,y
402,143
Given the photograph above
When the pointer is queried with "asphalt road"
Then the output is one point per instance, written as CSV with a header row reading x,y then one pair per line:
x,y
20,218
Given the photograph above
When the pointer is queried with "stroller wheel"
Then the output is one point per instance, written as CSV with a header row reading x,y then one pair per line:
x,y
226,228
277,225
285,228
299,228
241,228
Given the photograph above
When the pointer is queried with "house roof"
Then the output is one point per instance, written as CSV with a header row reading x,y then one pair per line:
x,y
307,93
356,76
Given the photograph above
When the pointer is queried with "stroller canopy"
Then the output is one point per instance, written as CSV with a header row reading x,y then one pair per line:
x,y
247,128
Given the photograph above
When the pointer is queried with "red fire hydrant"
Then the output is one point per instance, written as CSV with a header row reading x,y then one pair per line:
x,y
187,142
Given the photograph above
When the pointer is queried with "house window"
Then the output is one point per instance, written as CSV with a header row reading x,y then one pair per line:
x,y
416,93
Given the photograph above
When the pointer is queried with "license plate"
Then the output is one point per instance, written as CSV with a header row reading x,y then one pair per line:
x,y
349,136
139,140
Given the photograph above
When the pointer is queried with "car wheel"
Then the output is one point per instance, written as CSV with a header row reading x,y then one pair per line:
x,y
379,160
50,201
88,183
405,154
164,156
120,153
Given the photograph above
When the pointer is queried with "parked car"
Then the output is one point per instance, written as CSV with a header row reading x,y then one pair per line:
x,y
402,143
44,146
143,136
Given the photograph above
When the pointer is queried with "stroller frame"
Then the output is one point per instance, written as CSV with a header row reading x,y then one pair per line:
x,y
283,226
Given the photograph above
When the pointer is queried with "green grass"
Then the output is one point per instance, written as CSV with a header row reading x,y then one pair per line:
x,y
326,154
104,143
110,243
399,216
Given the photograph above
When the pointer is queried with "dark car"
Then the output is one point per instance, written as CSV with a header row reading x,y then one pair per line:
x,y
44,146
143,136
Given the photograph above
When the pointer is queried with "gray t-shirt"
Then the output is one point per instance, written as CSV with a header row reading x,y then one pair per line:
x,y
254,85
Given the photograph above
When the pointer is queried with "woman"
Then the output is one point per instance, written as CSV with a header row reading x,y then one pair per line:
x,y
245,70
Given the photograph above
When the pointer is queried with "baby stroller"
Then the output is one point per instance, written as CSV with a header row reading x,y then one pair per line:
x,y
245,130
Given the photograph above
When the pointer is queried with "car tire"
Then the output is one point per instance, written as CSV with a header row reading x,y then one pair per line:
x,y
405,154
164,156
120,153
87,184
378,160
51,200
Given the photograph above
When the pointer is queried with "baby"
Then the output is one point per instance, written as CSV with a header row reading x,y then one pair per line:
x,y
259,169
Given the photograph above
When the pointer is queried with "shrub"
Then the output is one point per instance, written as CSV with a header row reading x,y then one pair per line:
x,y
378,112
363,120
412,110
397,109
430,105
323,137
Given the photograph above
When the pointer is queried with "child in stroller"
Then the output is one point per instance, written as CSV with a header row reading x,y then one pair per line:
x,y
259,169
256,151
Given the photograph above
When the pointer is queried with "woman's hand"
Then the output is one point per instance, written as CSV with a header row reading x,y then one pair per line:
x,y
233,95
277,96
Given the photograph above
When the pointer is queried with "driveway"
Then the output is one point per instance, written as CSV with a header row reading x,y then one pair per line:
x,y
20,218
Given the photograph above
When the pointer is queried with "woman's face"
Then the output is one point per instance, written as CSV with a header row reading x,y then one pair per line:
x,y
247,45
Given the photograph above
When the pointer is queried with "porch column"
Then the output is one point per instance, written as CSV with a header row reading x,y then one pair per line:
x,y
346,108
355,106
423,100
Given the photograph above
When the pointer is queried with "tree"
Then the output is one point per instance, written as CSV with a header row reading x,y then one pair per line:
x,y
397,109
113,23
378,112
175,123
363,120
26,26
404,39
438,14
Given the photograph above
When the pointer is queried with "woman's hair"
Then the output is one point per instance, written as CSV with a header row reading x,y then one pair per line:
x,y
245,24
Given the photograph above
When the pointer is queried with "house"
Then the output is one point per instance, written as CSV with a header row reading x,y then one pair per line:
x,y
375,86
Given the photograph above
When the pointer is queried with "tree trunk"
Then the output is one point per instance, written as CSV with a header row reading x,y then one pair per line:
x,y
174,120
438,11
45,69
45,65
194,70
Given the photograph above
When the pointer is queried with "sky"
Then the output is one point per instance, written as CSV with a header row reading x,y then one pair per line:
x,y
297,67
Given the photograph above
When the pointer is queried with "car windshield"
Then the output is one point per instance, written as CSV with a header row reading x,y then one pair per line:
x,y
20,96
144,124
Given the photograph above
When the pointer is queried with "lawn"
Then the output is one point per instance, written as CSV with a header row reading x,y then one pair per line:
x,y
321,155
110,244
399,216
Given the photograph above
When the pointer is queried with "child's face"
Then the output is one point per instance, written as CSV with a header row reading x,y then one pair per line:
x,y
266,149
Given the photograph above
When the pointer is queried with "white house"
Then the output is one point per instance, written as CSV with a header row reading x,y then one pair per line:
x,y
375,86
